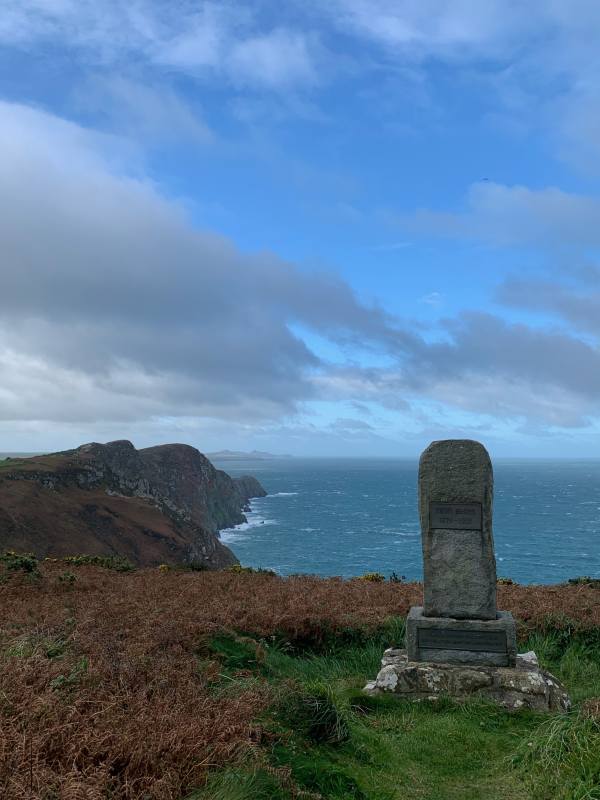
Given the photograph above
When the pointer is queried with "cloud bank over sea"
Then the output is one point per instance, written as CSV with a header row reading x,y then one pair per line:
x,y
205,239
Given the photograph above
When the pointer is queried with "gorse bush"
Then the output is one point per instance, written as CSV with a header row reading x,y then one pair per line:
x,y
238,569
117,563
372,577
25,562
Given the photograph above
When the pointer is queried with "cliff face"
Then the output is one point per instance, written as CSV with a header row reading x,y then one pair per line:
x,y
157,505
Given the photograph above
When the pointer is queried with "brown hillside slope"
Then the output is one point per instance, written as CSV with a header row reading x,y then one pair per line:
x,y
106,682
157,505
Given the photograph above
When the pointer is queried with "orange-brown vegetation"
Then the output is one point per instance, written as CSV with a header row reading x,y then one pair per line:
x,y
106,681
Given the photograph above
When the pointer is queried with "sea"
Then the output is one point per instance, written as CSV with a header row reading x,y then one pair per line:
x,y
347,517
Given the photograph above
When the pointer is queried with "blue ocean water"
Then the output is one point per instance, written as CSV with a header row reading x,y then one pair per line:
x,y
351,516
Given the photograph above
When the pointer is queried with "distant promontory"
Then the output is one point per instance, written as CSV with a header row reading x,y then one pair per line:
x,y
240,455
155,505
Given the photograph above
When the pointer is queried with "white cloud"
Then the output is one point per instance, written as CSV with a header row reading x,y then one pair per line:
x,y
516,215
222,40
144,112
541,71
277,59
539,58
422,28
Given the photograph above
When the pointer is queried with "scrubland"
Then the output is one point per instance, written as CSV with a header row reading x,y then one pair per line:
x,y
165,683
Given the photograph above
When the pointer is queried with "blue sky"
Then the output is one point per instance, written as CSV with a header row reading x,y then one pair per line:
x,y
332,229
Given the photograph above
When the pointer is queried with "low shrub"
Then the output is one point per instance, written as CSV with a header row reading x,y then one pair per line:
x,y
372,577
116,563
238,569
395,578
585,580
26,562
67,578
195,566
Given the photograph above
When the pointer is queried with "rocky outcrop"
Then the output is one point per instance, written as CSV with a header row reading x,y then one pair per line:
x,y
159,504
525,685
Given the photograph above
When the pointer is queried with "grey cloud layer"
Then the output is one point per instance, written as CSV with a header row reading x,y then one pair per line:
x,y
102,278
488,366
578,305
114,308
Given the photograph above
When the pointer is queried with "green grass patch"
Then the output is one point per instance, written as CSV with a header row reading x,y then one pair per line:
x,y
37,645
561,758
251,783
10,463
324,739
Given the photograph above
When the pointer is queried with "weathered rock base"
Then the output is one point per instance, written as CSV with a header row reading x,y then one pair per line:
x,y
522,686
445,640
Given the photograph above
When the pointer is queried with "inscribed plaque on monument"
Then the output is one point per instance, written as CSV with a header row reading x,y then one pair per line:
x,y
456,639
455,516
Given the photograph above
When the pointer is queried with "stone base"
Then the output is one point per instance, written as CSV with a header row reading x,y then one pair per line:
x,y
445,640
514,688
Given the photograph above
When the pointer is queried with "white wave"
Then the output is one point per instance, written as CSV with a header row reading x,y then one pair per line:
x,y
254,521
282,494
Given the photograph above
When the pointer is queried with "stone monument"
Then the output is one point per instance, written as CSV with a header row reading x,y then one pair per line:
x,y
458,643
459,622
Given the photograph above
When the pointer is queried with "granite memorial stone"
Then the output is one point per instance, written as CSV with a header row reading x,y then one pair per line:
x,y
458,622
455,506
457,643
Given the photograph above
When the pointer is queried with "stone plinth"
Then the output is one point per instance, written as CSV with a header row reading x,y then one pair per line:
x,y
461,641
523,686
455,507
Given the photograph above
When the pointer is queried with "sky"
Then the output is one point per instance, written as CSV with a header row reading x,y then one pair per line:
x,y
344,228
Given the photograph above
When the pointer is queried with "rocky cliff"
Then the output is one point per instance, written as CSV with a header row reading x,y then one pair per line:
x,y
161,504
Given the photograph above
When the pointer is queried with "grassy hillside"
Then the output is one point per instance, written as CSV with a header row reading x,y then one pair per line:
x,y
229,686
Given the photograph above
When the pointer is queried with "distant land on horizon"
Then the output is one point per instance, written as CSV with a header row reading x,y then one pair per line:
x,y
20,455
252,455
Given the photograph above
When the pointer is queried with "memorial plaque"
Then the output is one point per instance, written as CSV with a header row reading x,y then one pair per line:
x,y
456,516
457,639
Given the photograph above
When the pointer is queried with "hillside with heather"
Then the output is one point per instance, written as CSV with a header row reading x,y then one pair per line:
x,y
165,684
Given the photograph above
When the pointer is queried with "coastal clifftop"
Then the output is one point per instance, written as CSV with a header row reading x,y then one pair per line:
x,y
161,504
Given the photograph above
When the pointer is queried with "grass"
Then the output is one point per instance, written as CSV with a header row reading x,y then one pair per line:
x,y
325,739
561,758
